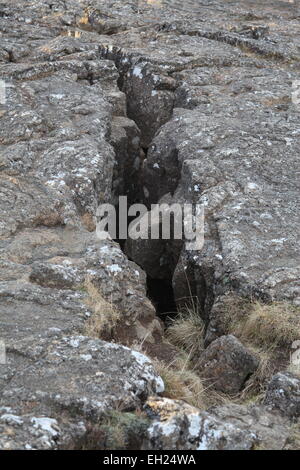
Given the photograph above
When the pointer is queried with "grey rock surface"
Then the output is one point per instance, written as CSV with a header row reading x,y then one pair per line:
x,y
60,152
226,364
283,393
62,138
151,100
30,432
75,375
179,426
230,144
243,211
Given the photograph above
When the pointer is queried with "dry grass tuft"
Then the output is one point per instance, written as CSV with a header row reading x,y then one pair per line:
x,y
264,325
183,383
105,316
117,430
265,329
187,331
256,385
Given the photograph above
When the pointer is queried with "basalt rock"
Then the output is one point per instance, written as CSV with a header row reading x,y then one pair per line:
x,y
226,364
283,393
61,156
238,184
178,426
151,100
230,144
65,377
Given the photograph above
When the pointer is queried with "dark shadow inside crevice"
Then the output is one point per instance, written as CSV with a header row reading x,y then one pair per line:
x,y
161,294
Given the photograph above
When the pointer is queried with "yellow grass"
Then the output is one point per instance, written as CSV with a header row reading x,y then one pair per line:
x,y
104,314
187,331
182,383
264,325
262,328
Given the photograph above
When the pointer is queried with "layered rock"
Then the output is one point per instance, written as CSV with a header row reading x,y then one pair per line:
x,y
230,144
63,110
208,102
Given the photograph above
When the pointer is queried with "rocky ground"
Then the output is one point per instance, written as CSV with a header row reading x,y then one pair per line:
x,y
159,102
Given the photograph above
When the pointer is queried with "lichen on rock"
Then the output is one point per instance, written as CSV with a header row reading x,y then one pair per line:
x,y
160,102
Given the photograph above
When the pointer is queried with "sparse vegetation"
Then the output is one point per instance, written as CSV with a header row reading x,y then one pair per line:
x,y
187,331
183,383
186,334
105,316
255,386
264,325
117,430
264,328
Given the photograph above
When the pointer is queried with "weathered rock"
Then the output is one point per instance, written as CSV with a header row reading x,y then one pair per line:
x,y
242,211
72,375
271,429
89,374
205,155
31,432
178,426
158,257
103,268
63,110
59,295
66,145
283,393
125,138
226,364
63,129
201,150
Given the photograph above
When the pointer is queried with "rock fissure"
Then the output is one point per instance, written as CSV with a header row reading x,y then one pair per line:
x,y
160,289
151,102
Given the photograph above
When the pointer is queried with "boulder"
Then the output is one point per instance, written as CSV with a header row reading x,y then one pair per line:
x,y
226,364
178,426
67,377
283,393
